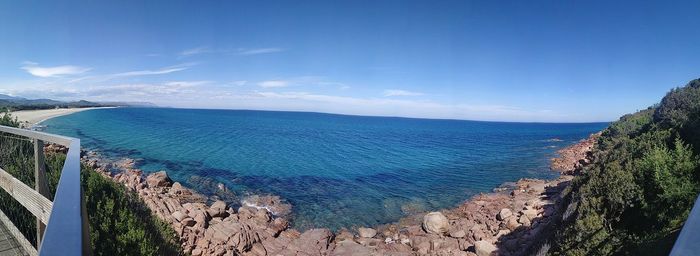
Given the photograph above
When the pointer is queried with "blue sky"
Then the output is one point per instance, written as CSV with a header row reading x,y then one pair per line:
x,y
563,61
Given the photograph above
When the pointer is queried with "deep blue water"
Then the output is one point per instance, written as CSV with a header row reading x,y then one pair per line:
x,y
336,170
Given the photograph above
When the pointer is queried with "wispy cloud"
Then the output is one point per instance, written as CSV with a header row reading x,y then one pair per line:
x,y
195,51
258,51
392,93
56,71
317,81
274,83
146,72
239,83
161,71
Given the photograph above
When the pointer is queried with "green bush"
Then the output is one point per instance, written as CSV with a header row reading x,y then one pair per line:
x,y
636,195
120,223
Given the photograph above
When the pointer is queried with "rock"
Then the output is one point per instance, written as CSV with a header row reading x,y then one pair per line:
x,y
201,220
512,223
350,248
158,179
343,235
530,213
435,223
314,241
179,216
178,189
504,214
196,252
188,222
273,204
458,234
218,209
524,220
484,248
367,232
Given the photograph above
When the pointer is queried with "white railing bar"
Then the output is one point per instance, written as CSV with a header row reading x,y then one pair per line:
x,y
61,140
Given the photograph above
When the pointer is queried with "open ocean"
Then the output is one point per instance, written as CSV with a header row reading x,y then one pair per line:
x,y
336,170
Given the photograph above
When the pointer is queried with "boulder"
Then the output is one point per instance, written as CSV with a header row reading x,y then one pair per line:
x,y
350,248
484,248
158,179
458,233
188,222
367,232
524,220
530,213
218,209
179,216
435,223
504,214
512,223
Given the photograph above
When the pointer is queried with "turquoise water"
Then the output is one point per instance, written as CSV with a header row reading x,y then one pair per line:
x,y
336,170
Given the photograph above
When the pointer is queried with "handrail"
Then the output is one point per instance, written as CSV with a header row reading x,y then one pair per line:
x,y
688,242
67,231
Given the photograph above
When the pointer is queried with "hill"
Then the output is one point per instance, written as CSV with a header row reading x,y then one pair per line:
x,y
19,103
635,196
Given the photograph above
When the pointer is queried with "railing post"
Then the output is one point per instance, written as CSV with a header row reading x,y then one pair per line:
x,y
40,184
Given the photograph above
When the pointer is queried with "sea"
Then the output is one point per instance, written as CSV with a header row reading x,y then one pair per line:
x,y
337,171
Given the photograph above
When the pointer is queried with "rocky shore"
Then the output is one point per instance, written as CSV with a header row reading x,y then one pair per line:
x,y
510,221
572,159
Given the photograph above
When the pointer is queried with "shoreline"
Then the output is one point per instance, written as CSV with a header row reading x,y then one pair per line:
x,y
512,220
34,117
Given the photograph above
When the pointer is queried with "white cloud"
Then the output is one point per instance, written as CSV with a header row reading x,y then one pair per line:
x,y
258,51
239,83
208,94
35,70
273,83
391,93
195,51
150,72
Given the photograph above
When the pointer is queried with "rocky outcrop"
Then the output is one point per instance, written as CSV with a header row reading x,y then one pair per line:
x,y
573,158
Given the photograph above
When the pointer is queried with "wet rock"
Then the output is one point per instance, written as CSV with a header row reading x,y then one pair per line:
x,y
273,204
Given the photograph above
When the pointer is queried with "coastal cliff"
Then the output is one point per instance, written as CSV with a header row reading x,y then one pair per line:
x,y
510,221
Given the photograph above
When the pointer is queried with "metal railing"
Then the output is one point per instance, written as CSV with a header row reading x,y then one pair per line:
x,y
62,227
688,242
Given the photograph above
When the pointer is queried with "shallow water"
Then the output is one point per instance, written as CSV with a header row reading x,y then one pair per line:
x,y
336,170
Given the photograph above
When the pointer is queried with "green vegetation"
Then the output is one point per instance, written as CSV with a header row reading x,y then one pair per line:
x,y
635,197
120,223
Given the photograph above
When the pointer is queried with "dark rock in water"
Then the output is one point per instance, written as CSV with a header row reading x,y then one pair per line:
x,y
273,204
211,187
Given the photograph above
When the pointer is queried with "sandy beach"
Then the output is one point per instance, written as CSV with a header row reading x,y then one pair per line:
x,y
29,118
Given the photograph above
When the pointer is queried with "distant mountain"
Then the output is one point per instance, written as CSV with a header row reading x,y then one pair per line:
x,y
7,101
129,103
10,98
